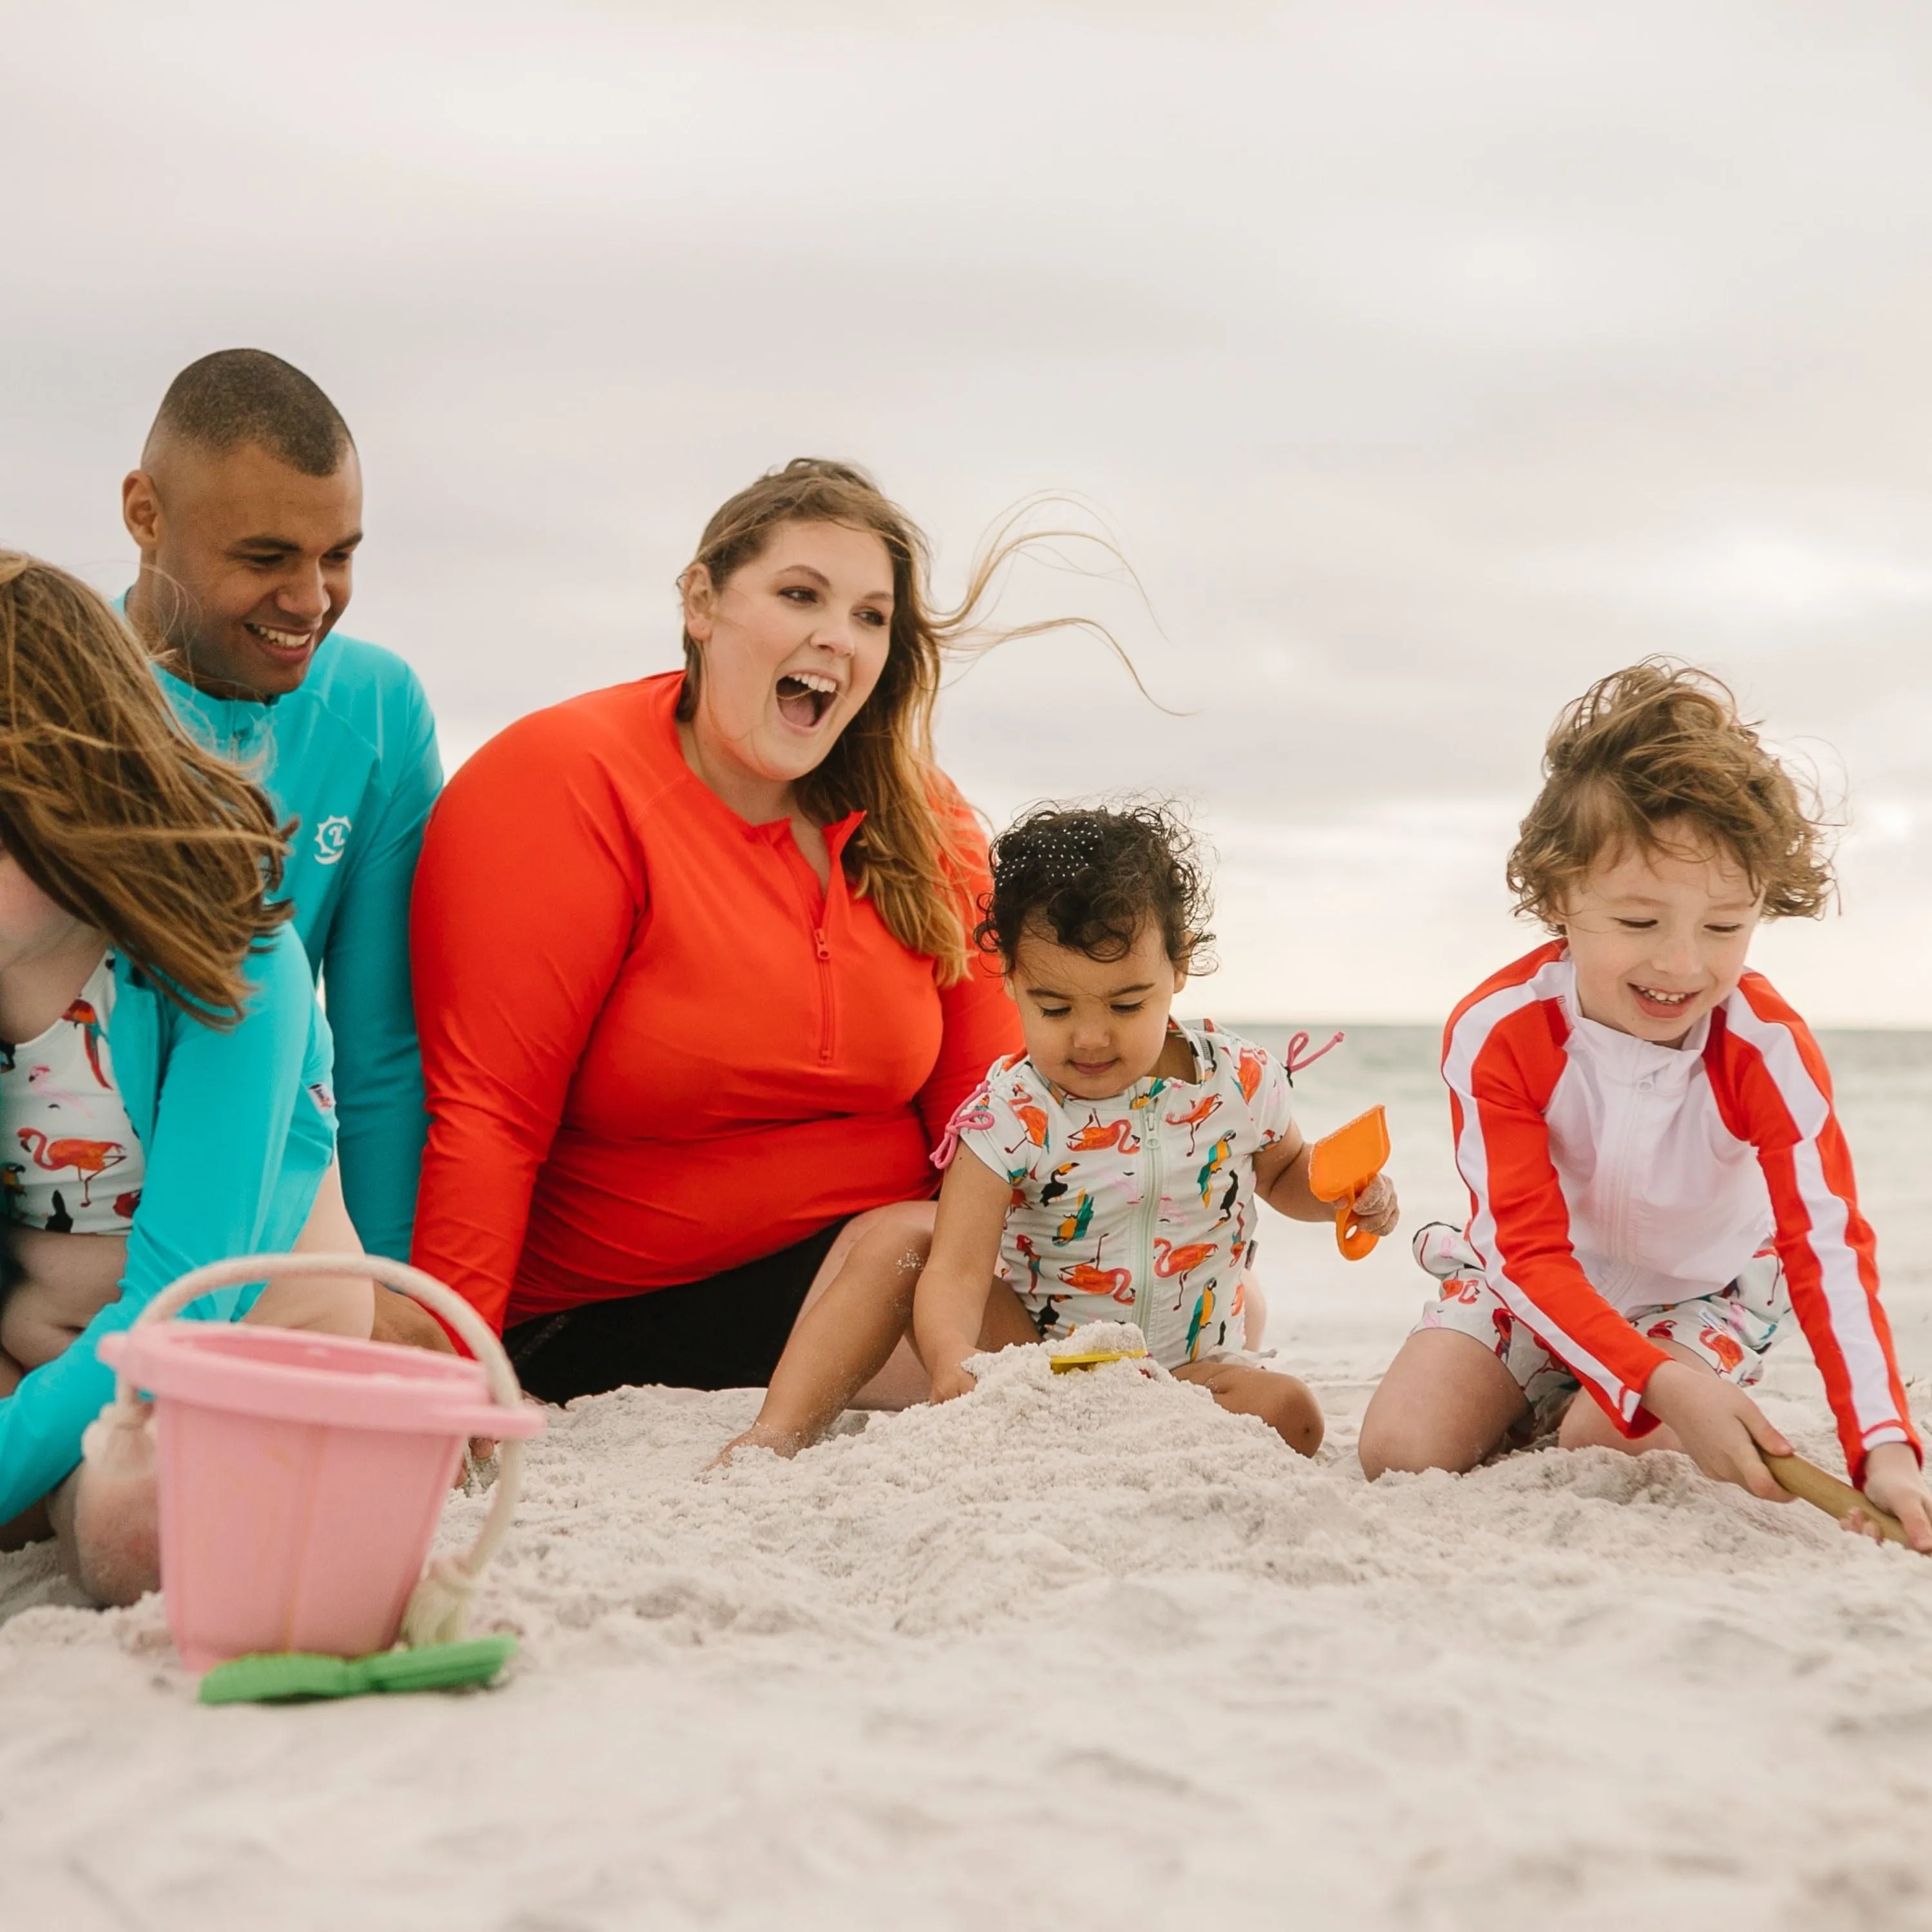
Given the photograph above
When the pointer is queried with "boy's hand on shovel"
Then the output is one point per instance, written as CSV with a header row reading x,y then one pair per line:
x,y
1718,1426
1895,1484
1893,1507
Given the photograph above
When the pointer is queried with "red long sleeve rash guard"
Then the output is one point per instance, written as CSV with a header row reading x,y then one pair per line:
x,y
654,1047
1606,1173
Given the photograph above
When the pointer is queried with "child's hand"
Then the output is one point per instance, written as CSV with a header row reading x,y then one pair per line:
x,y
948,1381
1720,1427
1376,1208
1894,1483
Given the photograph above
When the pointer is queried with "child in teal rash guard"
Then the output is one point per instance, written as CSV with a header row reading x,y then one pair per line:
x,y
247,510
164,1071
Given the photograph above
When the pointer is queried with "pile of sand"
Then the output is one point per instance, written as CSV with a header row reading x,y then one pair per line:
x,y
1076,1651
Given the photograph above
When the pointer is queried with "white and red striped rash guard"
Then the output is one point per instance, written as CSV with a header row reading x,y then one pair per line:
x,y
1607,1173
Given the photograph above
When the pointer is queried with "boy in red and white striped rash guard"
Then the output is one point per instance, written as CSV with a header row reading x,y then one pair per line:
x,y
1658,1183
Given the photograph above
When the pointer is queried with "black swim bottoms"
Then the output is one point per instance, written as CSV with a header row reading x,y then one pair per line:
x,y
726,1331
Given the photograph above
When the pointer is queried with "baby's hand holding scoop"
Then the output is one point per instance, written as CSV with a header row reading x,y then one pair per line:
x,y
1345,1168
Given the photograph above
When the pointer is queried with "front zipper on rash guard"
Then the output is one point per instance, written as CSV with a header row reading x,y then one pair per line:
x,y
1145,1221
1622,1190
827,1032
821,950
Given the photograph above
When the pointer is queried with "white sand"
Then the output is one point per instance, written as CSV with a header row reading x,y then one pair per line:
x,y
908,1681
1077,1651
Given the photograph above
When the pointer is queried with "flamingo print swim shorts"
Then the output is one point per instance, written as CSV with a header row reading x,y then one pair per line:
x,y
1732,1330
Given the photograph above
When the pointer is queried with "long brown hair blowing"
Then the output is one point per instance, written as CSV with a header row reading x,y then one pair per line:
x,y
1649,756
113,812
908,856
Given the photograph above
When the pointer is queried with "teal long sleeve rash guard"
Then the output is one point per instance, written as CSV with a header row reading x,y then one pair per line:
x,y
236,1132
351,754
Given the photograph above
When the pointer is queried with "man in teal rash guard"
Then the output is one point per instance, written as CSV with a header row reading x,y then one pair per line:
x,y
247,510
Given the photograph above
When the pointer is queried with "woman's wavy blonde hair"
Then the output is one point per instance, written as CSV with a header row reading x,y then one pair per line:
x,y
1648,753
113,812
908,856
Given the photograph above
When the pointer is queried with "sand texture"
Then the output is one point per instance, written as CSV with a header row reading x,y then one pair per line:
x,y
913,1679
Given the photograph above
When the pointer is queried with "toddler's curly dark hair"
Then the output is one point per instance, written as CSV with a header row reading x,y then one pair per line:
x,y
1091,877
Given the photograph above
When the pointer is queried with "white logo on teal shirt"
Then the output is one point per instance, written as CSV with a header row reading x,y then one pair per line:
x,y
331,840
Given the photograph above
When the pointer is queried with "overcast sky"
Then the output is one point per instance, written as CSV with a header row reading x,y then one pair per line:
x,y
1425,362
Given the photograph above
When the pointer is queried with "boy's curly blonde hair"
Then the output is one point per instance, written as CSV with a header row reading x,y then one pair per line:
x,y
1651,754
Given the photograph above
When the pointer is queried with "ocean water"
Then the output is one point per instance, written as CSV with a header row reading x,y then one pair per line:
x,y
1339,1322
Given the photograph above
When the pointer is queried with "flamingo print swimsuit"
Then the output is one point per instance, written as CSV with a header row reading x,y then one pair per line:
x,y
69,1160
1138,1208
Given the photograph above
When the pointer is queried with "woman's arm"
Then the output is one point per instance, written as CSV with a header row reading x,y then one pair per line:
x,y
239,1143
950,1305
526,896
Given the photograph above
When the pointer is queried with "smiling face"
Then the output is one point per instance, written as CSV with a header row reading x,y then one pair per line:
x,y
793,643
246,563
1094,1027
1659,938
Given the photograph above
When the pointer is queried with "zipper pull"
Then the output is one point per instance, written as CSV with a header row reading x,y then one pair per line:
x,y
824,951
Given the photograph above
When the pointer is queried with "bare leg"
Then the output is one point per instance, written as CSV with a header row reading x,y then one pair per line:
x,y
848,1334
1285,1403
1586,1426
1445,1403
901,1380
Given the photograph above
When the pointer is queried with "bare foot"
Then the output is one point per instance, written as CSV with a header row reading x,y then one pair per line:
x,y
782,1442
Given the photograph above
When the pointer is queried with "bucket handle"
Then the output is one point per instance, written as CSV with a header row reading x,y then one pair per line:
x,y
439,1607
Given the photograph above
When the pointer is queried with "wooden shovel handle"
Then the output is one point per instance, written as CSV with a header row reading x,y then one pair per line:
x,y
1823,1491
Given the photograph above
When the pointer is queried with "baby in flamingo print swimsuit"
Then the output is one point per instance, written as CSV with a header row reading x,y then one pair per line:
x,y
1115,1166
1138,1206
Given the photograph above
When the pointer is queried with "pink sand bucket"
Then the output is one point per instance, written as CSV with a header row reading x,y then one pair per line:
x,y
301,1475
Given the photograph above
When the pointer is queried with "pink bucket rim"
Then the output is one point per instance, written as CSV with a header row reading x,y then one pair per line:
x,y
207,1364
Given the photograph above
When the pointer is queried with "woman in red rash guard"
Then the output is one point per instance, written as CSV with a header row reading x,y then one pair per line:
x,y
692,971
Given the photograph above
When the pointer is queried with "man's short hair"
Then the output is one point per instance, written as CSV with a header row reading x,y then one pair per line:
x,y
241,396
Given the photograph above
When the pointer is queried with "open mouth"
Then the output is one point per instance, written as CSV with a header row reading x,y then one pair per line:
x,y
1658,1004
290,644
804,696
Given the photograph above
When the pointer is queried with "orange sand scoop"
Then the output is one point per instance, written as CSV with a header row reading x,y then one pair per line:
x,y
1342,1165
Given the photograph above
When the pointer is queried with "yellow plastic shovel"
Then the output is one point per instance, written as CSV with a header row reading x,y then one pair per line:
x,y
1341,1167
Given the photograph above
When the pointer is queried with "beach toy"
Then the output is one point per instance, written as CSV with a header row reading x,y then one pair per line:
x,y
1822,1490
301,1475
1341,1165
286,1676
1065,1364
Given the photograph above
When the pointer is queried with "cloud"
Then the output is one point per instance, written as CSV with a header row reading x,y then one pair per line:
x,y
1427,361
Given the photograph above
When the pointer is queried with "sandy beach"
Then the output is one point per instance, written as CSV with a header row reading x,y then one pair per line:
x,y
1078,1651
